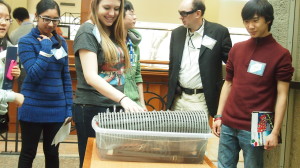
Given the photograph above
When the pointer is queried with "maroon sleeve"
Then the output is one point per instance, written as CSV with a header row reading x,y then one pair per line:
x,y
285,70
229,66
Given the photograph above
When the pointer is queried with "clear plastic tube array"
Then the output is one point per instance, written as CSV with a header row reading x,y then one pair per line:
x,y
158,136
159,121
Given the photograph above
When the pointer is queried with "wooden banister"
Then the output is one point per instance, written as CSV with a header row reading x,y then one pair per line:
x,y
154,62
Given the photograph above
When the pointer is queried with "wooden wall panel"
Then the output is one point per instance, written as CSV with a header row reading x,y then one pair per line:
x,y
85,10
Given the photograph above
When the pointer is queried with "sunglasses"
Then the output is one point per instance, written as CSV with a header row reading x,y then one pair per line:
x,y
184,13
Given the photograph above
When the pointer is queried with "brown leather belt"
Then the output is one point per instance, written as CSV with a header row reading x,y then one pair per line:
x,y
191,91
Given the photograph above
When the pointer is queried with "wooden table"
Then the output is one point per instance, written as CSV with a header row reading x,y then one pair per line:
x,y
92,160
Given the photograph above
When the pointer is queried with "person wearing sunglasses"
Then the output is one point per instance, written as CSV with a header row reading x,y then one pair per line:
x,y
197,50
47,86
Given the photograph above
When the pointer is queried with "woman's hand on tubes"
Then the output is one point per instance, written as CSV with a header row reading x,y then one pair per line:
x,y
130,106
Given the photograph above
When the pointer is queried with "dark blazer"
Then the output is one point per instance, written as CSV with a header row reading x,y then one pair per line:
x,y
210,62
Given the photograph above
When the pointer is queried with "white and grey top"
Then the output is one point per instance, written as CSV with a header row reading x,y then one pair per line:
x,y
5,95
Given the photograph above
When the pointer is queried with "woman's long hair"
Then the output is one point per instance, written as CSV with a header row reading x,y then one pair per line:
x,y
117,30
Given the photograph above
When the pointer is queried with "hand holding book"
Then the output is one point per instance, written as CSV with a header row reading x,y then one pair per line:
x,y
261,127
271,141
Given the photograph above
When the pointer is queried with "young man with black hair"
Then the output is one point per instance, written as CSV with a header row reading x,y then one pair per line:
x,y
258,74
133,87
21,15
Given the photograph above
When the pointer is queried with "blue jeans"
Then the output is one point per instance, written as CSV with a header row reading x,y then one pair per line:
x,y
82,116
231,142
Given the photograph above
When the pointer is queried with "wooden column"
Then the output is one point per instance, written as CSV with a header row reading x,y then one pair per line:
x,y
12,111
85,10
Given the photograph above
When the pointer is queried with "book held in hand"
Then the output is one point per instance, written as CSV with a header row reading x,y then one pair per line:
x,y
10,61
261,127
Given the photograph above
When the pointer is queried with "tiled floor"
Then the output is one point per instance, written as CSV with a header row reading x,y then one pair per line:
x,y
212,152
69,153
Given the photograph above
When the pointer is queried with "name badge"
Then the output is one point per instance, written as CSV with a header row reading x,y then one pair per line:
x,y
208,42
256,67
59,53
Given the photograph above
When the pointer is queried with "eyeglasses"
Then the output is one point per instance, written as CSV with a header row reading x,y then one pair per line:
x,y
184,13
131,14
48,20
5,20
190,42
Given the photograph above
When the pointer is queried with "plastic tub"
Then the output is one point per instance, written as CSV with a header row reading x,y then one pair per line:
x,y
150,146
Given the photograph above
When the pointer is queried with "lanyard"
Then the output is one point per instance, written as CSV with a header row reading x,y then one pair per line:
x,y
131,52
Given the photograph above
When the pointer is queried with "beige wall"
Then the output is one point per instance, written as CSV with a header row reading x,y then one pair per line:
x,y
226,12
74,9
13,4
157,10
31,4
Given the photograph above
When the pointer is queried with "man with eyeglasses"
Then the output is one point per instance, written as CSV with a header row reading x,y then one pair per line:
x,y
197,50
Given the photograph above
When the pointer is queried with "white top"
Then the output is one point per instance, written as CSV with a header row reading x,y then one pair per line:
x,y
5,95
189,74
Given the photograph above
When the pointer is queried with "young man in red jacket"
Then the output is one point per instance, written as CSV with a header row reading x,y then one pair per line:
x,y
258,74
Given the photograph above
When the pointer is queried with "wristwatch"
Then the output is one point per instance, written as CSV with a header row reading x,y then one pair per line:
x,y
218,116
